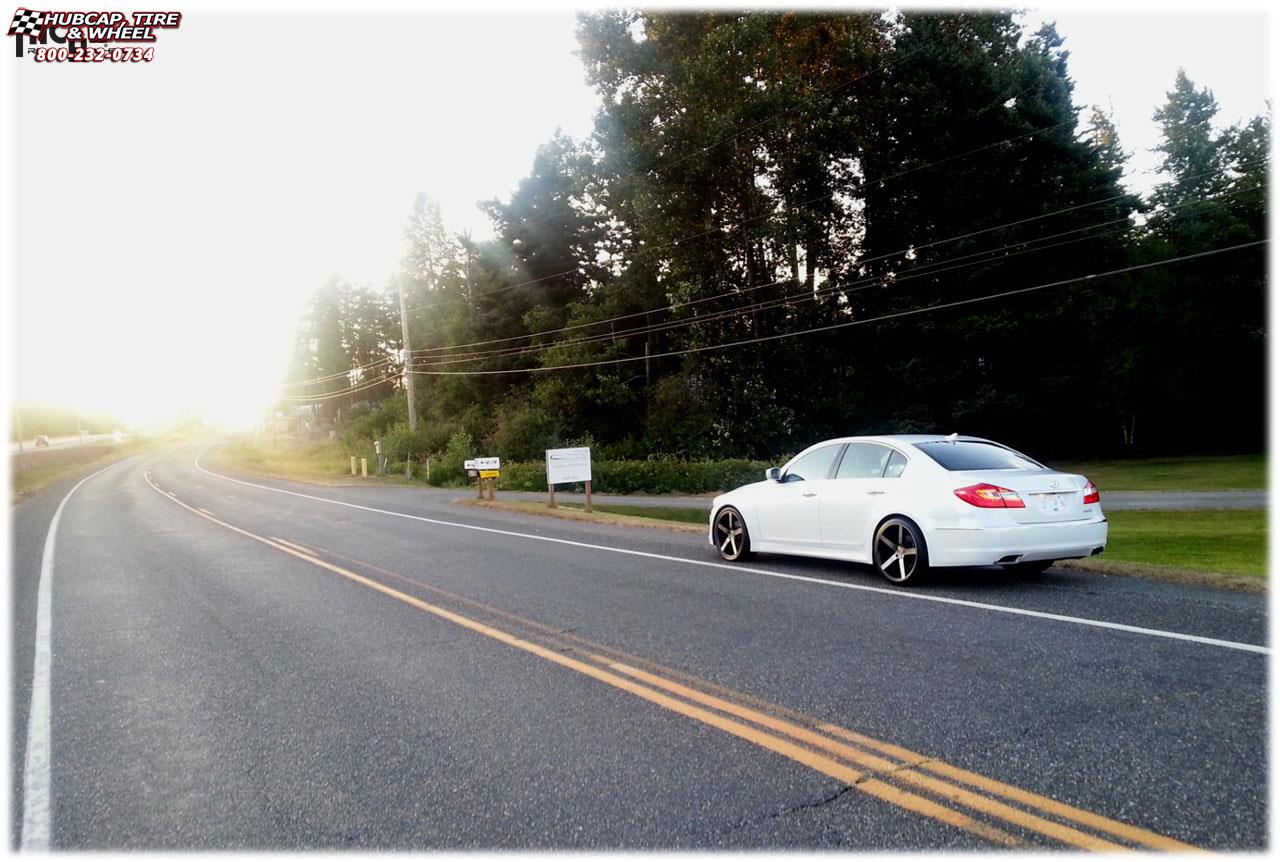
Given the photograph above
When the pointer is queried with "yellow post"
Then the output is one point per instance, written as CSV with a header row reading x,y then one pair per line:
x,y
364,467
353,465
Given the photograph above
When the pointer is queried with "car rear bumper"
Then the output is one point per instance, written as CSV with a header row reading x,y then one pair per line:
x,y
1023,543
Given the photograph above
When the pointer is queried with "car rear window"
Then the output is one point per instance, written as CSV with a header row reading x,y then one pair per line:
x,y
972,455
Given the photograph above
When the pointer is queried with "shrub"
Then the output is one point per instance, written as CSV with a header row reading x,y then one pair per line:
x,y
525,433
359,432
450,470
661,476
399,442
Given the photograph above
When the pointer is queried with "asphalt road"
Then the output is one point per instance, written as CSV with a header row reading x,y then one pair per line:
x,y
62,442
281,666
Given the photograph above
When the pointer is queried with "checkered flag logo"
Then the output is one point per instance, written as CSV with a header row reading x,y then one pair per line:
x,y
27,22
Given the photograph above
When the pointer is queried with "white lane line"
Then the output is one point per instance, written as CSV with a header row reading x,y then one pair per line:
x,y
37,807
898,594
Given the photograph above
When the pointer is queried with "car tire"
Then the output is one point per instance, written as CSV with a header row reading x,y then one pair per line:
x,y
1033,568
899,552
732,539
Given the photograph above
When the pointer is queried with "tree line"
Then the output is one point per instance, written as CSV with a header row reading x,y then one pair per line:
x,y
791,226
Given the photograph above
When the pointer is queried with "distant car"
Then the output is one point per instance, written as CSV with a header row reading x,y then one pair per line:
x,y
908,503
42,440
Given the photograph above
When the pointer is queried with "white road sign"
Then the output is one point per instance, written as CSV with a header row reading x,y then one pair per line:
x,y
487,464
568,465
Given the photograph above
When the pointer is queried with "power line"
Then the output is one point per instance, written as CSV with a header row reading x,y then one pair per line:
x,y
337,375
673,306
834,326
324,396
425,353
931,269
1028,246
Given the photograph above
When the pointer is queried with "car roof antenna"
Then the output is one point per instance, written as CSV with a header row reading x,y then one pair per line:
x,y
951,438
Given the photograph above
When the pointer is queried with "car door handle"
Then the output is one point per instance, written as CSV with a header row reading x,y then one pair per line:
x,y
875,493
809,494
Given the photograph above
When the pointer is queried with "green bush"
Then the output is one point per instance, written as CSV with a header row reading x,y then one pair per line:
x,y
363,427
525,432
399,442
449,470
661,476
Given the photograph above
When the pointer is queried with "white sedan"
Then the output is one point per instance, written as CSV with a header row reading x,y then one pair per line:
x,y
906,503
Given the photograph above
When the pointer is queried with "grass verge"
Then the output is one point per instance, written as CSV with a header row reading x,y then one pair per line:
x,y
73,462
599,516
1207,473
320,463
1169,574
1225,541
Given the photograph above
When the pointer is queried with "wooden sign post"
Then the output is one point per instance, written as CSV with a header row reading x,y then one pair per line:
x,y
489,469
565,466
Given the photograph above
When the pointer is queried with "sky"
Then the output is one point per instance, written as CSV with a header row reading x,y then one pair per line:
x,y
169,220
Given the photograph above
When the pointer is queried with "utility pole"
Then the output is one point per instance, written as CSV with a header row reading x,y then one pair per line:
x,y
404,357
466,244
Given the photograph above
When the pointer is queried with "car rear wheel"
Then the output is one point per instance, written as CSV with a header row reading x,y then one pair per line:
x,y
900,553
732,540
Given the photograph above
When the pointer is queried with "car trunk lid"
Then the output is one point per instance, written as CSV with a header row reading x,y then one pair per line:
x,y
1048,496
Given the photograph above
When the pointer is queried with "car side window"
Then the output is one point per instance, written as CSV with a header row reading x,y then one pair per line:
x,y
864,461
897,463
815,465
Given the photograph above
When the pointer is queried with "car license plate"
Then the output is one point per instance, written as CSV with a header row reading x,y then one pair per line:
x,y
1052,504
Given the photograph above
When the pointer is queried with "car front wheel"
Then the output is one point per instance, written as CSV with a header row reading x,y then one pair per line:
x,y
731,536
900,553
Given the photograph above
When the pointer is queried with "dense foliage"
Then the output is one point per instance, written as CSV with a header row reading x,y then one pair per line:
x,y
789,226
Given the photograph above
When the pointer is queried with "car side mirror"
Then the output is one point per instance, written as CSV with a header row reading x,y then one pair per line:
x,y
773,474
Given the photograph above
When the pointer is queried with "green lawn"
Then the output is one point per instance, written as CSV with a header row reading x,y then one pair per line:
x,y
1205,473
1231,541
290,458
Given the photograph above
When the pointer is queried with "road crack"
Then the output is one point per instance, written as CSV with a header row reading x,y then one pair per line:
x,y
790,810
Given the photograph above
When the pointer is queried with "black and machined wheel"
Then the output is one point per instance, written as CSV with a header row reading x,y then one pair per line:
x,y
1028,569
731,536
900,553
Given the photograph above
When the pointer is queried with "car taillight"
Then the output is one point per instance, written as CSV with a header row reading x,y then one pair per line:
x,y
986,496
1091,494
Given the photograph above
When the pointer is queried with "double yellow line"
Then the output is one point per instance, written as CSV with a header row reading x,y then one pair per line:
x,y
989,809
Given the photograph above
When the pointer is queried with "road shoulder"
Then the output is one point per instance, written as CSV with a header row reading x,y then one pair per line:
x,y
1168,574
542,510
